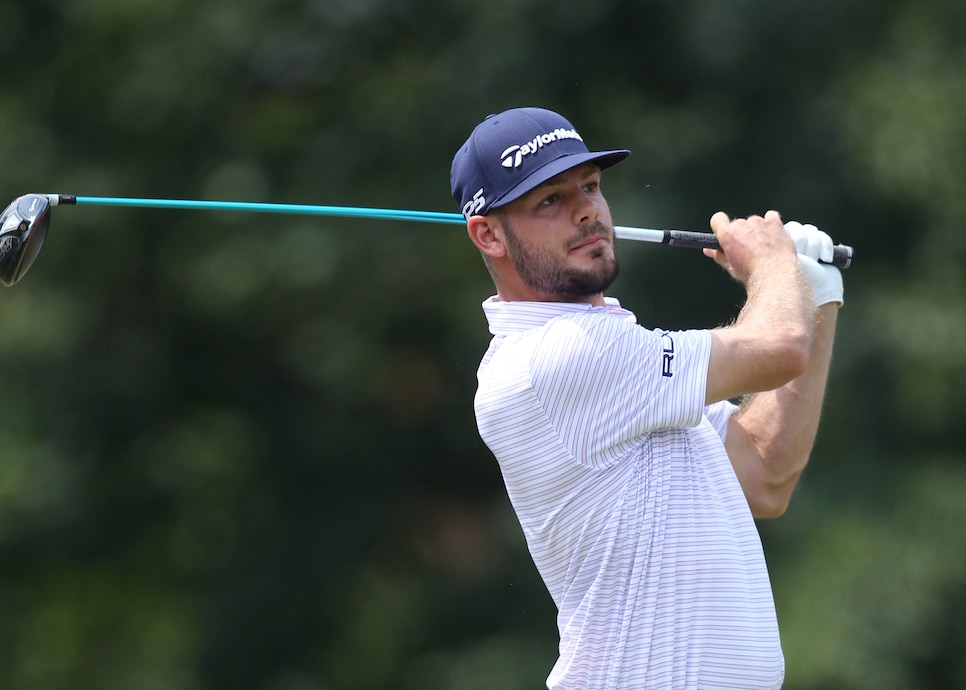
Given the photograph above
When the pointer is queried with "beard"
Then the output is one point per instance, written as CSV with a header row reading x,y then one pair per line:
x,y
546,273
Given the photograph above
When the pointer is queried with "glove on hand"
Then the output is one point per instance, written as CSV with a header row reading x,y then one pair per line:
x,y
813,246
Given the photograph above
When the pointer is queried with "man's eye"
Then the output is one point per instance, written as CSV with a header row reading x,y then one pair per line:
x,y
591,187
550,200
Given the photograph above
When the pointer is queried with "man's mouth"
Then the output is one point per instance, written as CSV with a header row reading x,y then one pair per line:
x,y
589,242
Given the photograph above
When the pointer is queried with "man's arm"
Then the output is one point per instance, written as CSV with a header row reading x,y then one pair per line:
x,y
768,345
770,438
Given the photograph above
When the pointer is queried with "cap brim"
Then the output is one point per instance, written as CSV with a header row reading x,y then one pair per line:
x,y
603,159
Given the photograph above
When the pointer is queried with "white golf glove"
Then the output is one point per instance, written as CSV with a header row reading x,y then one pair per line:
x,y
813,246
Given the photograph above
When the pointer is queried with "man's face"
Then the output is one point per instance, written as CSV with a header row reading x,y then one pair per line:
x,y
559,237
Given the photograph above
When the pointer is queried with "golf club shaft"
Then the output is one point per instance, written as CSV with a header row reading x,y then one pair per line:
x,y
676,238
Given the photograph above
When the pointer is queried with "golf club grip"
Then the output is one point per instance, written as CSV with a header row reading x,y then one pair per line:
x,y
841,253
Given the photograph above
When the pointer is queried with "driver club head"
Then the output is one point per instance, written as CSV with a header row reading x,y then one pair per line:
x,y
23,229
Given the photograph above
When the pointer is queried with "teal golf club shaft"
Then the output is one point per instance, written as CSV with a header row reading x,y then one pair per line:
x,y
680,238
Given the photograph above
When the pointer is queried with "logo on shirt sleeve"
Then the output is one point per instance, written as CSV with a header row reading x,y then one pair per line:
x,y
667,359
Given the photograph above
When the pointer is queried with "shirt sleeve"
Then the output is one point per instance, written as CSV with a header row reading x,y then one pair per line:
x,y
719,414
604,382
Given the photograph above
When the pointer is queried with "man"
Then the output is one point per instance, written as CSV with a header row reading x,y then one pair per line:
x,y
634,478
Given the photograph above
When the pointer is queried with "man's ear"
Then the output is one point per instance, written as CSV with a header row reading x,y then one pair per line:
x,y
486,233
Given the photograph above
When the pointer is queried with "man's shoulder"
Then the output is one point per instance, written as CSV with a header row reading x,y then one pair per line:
x,y
511,317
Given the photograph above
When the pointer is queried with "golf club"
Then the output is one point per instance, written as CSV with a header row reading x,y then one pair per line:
x,y
23,229
25,222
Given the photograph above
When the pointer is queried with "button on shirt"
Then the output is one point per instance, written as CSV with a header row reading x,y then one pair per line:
x,y
630,506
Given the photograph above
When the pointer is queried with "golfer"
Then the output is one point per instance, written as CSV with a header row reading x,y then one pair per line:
x,y
635,479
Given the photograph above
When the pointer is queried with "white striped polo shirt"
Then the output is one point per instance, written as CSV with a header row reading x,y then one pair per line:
x,y
631,509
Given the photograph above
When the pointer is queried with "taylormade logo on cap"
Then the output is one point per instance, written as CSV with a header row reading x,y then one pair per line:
x,y
513,156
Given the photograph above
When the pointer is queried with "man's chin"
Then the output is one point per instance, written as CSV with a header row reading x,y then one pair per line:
x,y
588,283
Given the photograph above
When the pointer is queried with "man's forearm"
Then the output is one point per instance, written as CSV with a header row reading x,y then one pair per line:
x,y
770,341
773,432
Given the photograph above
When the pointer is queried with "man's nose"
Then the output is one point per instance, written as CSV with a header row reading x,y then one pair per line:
x,y
585,208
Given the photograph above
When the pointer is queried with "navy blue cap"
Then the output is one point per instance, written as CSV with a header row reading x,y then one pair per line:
x,y
511,153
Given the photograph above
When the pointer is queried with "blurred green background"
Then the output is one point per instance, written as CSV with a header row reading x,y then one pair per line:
x,y
238,450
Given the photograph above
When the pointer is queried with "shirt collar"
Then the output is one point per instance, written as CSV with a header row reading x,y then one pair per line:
x,y
513,317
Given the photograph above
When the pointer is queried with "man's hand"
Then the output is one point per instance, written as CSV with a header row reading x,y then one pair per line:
x,y
749,245
813,246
